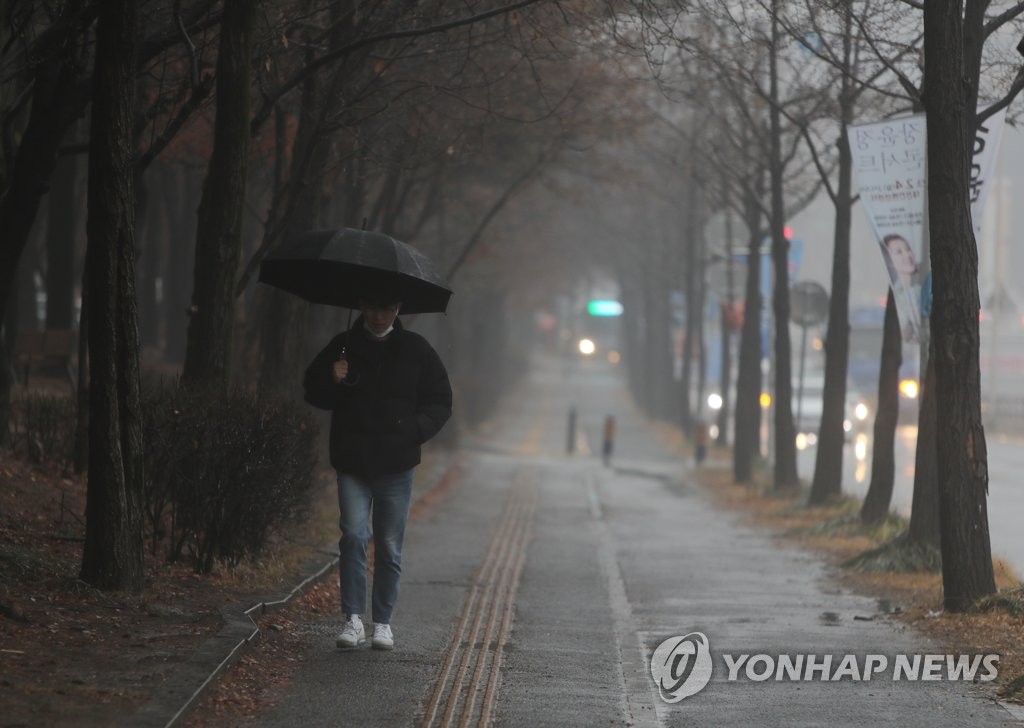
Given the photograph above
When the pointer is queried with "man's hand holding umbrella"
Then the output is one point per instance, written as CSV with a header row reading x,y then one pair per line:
x,y
340,369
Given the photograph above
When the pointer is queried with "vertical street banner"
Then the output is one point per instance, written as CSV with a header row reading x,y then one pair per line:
x,y
983,164
889,163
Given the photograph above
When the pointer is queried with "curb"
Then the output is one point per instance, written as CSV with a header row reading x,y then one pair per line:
x,y
180,693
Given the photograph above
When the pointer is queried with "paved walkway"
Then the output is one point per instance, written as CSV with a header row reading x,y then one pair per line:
x,y
538,592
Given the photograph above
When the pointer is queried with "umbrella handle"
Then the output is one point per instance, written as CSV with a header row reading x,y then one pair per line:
x,y
343,356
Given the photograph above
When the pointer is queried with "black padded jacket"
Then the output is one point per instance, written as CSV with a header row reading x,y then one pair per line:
x,y
396,397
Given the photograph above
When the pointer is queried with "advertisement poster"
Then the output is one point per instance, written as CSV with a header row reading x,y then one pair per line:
x,y
889,164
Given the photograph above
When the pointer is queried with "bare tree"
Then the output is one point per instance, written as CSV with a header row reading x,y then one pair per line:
x,y
219,239
954,34
883,464
51,71
112,556
835,35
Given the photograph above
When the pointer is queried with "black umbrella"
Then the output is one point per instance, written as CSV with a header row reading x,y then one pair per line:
x,y
343,267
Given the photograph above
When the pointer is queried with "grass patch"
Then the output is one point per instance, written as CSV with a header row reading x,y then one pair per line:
x,y
1014,690
22,564
898,555
1010,601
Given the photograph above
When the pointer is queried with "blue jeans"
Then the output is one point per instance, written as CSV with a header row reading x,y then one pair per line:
x,y
389,497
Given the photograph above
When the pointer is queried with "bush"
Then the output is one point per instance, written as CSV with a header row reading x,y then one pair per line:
x,y
43,428
223,472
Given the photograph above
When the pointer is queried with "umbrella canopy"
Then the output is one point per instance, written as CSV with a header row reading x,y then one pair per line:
x,y
344,267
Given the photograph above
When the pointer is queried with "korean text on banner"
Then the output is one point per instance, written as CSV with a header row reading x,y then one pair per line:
x,y
983,162
889,162
888,159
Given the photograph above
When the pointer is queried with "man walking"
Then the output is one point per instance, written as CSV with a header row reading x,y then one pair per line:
x,y
388,393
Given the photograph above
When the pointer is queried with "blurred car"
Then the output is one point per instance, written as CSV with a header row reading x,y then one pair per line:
x,y
808,406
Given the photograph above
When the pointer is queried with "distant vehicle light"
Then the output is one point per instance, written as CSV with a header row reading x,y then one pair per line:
x,y
587,347
860,447
765,400
861,411
715,401
812,439
604,307
801,441
847,425
614,357
713,432
909,388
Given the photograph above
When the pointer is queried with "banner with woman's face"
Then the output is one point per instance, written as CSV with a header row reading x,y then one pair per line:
x,y
889,164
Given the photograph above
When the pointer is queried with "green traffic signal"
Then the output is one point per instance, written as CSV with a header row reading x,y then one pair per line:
x,y
604,307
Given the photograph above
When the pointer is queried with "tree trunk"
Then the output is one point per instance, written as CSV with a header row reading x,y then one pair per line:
x,y
828,464
883,458
702,293
221,210
692,312
112,556
634,351
950,96
296,207
60,245
747,418
785,431
26,310
653,383
725,380
924,526
148,241
179,203
58,99
82,393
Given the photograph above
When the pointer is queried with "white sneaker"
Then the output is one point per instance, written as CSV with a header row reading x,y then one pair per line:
x,y
382,637
352,634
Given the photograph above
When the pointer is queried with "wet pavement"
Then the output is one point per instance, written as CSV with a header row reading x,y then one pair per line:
x,y
537,592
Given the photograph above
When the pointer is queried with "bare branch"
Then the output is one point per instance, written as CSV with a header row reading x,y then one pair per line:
x,y
345,50
507,195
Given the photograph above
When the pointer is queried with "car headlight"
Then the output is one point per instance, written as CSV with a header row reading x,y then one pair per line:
x,y
909,388
861,411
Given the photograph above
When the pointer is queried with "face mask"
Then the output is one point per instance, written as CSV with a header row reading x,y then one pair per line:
x,y
375,334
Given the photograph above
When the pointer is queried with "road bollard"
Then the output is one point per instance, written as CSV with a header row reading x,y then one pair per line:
x,y
609,439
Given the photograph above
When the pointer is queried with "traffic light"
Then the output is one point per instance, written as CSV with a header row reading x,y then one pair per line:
x,y
604,307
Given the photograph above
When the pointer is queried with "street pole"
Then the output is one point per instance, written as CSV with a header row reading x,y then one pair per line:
x,y
800,385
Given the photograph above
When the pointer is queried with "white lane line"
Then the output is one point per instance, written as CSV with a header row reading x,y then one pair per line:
x,y
641,706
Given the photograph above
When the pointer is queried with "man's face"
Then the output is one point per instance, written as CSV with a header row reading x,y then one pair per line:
x,y
379,317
